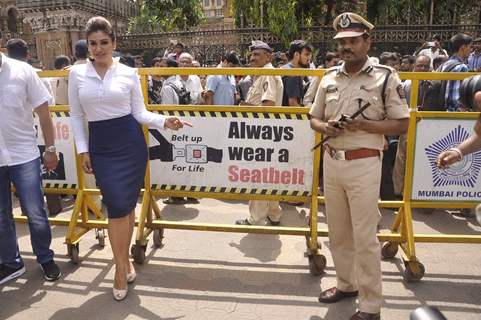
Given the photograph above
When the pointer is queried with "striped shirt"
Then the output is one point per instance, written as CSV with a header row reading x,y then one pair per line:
x,y
474,61
452,98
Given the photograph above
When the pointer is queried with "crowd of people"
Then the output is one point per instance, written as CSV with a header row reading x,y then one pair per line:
x,y
106,104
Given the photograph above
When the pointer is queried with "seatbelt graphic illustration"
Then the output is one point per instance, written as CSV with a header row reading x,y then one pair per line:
x,y
193,153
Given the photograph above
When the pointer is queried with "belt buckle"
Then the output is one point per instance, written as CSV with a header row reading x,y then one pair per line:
x,y
340,155
336,154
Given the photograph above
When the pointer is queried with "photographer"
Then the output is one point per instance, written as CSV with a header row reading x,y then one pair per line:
x,y
470,92
432,48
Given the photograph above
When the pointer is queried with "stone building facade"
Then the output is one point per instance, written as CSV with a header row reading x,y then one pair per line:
x,y
217,14
51,27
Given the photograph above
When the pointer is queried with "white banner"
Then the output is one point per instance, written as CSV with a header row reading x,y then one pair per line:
x,y
461,181
257,154
65,175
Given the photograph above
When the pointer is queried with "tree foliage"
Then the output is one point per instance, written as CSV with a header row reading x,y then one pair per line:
x,y
166,16
419,11
281,17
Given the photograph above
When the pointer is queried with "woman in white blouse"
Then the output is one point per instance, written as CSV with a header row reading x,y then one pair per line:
x,y
109,96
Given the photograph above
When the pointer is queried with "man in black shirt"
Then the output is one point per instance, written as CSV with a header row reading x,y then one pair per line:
x,y
299,55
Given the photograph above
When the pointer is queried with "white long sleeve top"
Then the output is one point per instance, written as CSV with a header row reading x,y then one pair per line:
x,y
116,95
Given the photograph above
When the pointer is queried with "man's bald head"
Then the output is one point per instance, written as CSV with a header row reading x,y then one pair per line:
x,y
423,64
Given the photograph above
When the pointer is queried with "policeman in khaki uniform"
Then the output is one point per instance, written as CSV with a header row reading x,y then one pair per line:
x,y
265,91
352,160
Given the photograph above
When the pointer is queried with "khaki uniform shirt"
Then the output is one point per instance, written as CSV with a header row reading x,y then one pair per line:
x,y
266,88
61,90
340,93
311,91
61,86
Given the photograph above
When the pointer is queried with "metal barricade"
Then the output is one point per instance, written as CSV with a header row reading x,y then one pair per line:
x,y
402,225
150,221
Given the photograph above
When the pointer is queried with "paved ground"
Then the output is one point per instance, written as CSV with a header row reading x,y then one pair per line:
x,y
203,275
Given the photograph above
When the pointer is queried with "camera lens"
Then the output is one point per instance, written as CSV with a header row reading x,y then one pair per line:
x,y
467,90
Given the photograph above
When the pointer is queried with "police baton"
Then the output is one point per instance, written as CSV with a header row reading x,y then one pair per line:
x,y
343,118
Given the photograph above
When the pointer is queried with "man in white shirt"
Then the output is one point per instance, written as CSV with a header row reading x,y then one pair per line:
x,y
21,92
432,49
172,85
190,82
18,49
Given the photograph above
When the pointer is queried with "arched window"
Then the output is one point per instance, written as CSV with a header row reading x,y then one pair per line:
x,y
12,20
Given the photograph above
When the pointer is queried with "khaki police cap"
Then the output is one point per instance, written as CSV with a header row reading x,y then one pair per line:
x,y
349,24
257,44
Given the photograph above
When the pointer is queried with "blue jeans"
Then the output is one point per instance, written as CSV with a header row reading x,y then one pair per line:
x,y
27,180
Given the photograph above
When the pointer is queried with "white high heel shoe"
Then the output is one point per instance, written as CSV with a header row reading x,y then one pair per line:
x,y
120,294
131,277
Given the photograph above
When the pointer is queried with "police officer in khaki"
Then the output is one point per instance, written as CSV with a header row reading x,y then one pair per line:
x,y
265,91
352,160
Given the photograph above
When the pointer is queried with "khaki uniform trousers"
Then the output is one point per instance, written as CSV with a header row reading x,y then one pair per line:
x,y
351,188
260,209
400,166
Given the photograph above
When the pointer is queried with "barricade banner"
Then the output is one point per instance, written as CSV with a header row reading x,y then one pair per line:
x,y
65,175
234,152
459,182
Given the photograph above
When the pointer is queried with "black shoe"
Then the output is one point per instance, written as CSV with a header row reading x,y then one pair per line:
x,y
334,295
465,213
192,200
243,222
366,316
175,200
273,223
8,273
51,272
296,204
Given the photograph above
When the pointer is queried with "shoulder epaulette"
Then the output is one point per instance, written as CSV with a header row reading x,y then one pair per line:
x,y
387,68
331,69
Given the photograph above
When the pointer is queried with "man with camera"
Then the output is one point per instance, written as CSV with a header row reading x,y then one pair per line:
x,y
432,49
352,160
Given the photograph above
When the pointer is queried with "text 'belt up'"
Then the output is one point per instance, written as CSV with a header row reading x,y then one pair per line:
x,y
351,154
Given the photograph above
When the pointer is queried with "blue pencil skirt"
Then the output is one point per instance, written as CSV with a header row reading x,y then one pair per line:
x,y
118,153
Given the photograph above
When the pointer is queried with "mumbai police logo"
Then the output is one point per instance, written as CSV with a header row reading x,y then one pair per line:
x,y
345,21
463,173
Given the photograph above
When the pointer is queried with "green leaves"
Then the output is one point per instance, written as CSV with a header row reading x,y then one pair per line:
x,y
282,19
419,11
166,16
